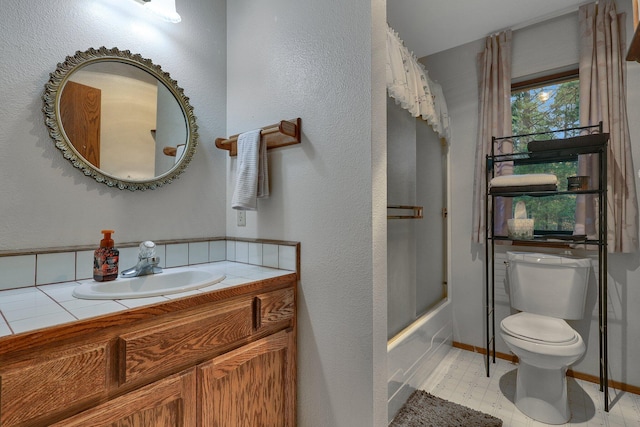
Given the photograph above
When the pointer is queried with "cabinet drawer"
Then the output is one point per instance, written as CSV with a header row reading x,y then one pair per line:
x,y
162,349
33,389
274,307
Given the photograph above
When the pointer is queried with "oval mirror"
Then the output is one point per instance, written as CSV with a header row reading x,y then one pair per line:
x,y
120,119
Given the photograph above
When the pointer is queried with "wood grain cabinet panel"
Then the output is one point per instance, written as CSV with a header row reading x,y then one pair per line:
x,y
251,386
170,402
52,382
274,307
216,359
159,349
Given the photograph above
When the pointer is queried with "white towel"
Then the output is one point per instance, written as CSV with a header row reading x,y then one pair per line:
x,y
524,179
252,179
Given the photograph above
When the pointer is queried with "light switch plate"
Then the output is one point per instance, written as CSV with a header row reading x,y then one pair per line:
x,y
242,218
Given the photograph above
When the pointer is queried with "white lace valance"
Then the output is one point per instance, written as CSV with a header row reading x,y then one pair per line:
x,y
409,84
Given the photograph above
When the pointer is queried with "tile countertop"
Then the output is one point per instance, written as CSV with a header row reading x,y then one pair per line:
x,y
27,309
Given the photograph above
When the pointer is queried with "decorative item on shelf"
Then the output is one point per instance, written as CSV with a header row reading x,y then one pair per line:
x,y
287,132
577,183
520,227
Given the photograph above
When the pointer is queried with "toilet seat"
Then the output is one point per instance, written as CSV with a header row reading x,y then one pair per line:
x,y
539,329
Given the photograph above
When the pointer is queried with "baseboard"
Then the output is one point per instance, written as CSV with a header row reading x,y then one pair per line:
x,y
509,357
570,372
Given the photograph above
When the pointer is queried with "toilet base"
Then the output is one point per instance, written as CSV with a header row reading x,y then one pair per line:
x,y
541,394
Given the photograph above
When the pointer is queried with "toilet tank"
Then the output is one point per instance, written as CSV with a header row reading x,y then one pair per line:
x,y
549,285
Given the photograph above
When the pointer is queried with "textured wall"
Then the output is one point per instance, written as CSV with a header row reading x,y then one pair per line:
x,y
313,60
45,200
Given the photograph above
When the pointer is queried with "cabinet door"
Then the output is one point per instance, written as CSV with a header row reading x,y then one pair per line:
x,y
251,386
170,402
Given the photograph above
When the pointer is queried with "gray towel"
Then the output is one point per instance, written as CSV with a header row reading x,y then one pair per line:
x,y
252,179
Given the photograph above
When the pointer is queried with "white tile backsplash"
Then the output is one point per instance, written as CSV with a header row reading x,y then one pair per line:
x,y
231,250
24,271
84,265
217,250
17,271
128,257
161,251
55,267
270,255
255,253
242,252
198,252
287,257
177,255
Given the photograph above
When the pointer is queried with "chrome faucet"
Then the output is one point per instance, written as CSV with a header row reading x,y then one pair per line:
x,y
147,261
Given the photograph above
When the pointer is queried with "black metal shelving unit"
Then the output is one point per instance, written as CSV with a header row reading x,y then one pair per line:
x,y
590,140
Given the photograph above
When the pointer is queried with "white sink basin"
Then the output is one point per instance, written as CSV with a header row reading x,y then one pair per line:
x,y
165,283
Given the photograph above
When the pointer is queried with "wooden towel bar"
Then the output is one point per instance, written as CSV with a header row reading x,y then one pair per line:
x,y
287,132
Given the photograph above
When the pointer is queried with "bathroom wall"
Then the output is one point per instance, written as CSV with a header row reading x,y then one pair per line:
x,y
323,62
45,200
313,60
455,71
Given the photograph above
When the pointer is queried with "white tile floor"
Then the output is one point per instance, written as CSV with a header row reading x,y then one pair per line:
x,y
461,378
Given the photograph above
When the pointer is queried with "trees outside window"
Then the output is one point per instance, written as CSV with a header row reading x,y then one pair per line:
x,y
540,107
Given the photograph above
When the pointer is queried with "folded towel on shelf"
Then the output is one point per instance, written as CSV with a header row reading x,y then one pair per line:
x,y
523,189
252,179
591,140
524,180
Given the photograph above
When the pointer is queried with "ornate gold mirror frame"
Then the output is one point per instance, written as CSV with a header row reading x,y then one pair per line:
x,y
53,119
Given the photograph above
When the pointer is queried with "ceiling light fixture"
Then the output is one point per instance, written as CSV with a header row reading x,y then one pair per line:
x,y
164,9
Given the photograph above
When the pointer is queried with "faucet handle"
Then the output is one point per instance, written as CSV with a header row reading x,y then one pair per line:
x,y
147,249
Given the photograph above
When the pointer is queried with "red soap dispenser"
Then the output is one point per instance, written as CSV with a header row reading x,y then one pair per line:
x,y
105,259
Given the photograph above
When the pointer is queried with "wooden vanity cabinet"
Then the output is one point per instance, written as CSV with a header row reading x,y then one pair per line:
x,y
169,402
53,381
225,358
250,386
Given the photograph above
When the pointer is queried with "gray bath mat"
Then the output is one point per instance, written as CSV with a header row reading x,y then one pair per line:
x,y
424,409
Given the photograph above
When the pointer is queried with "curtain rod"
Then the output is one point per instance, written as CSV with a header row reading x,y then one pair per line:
x,y
548,16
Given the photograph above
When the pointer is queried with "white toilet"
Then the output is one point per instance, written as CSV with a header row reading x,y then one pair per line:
x,y
545,289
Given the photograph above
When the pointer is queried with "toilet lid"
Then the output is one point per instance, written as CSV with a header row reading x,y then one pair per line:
x,y
544,329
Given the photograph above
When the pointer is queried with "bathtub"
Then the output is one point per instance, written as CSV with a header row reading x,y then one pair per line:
x,y
415,352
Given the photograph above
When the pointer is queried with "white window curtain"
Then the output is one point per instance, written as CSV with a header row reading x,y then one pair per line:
x,y
494,65
603,98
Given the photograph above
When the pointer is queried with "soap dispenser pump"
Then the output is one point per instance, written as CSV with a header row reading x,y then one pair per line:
x,y
105,260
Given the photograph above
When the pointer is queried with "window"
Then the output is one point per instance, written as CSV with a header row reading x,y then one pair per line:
x,y
539,106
